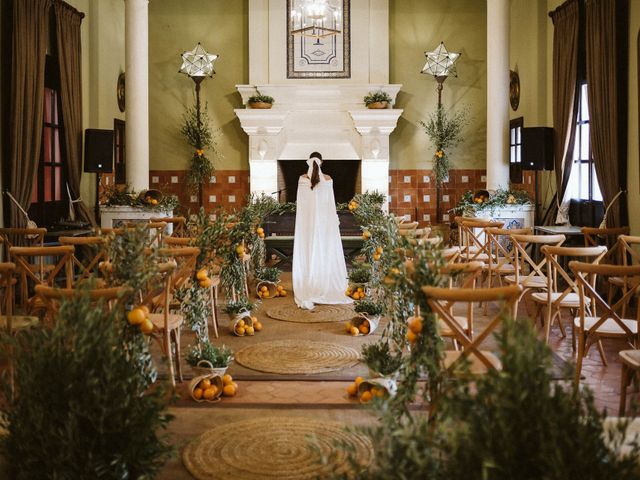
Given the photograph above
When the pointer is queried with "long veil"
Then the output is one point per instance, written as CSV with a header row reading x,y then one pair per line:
x,y
319,270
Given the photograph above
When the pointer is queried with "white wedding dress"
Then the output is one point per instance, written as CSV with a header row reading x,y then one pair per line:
x,y
319,270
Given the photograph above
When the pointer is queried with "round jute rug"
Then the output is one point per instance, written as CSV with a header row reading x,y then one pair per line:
x,y
273,447
289,312
297,357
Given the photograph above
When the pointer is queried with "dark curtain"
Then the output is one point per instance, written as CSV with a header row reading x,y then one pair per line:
x,y
68,21
566,22
30,18
605,65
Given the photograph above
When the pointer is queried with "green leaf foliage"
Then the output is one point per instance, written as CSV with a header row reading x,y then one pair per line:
x,y
380,358
218,356
83,408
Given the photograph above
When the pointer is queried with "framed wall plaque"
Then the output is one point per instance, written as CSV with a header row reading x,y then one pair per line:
x,y
319,53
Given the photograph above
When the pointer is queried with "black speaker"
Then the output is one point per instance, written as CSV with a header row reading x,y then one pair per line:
x,y
537,148
586,213
98,151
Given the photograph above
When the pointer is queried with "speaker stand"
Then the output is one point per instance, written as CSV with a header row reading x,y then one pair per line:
x,y
536,200
96,212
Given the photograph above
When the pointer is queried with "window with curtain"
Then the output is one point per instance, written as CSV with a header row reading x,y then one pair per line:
x,y
583,182
49,199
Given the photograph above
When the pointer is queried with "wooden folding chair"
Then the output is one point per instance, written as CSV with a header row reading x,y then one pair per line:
x,y
460,275
604,321
554,299
89,252
46,270
594,237
481,361
178,225
52,297
529,273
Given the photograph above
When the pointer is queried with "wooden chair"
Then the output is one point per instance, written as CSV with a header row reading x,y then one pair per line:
x,y
9,322
460,275
481,361
46,271
21,237
89,252
502,252
605,320
53,297
528,272
630,360
628,248
554,299
178,225
166,324
608,237
475,239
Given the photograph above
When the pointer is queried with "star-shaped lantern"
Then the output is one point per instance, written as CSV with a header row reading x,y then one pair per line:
x,y
440,62
198,63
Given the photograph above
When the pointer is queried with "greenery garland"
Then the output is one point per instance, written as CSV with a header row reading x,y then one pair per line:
x,y
197,132
444,132
117,196
470,204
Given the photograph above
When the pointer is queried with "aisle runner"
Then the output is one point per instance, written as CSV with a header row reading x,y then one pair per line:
x,y
320,314
297,357
273,447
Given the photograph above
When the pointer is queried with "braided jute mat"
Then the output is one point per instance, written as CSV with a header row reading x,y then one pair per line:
x,y
289,312
297,357
274,448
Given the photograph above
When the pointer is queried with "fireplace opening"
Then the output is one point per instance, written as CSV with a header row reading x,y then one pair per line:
x,y
345,175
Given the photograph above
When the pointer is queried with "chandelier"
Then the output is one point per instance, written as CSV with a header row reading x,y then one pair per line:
x,y
316,18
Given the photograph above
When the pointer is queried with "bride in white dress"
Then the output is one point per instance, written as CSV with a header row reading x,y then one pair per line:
x,y
319,270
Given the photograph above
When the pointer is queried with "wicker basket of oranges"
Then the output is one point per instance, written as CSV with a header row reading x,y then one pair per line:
x,y
206,388
242,324
362,324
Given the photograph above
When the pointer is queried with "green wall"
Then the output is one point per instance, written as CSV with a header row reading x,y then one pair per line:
x,y
417,26
222,27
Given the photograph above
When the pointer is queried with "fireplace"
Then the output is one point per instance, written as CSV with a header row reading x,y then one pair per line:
x,y
345,175
318,114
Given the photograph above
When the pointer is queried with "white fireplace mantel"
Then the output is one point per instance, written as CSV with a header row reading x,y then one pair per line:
x,y
324,115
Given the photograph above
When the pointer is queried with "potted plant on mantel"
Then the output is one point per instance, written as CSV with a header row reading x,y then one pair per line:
x,y
377,100
260,101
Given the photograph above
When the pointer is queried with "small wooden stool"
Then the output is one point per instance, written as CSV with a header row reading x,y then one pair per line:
x,y
630,360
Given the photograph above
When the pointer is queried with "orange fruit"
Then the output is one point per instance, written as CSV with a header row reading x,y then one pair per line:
x,y
358,381
136,316
259,230
259,294
347,326
228,390
366,234
376,257
206,283
257,326
277,294
145,309
240,331
352,390
197,393
380,392
415,324
240,323
240,250
254,319
227,379
202,274
249,330
154,201
265,294
379,250
366,397
210,393
363,329
355,296
283,293
235,385
204,384
360,289
264,288
146,326
412,337
354,331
